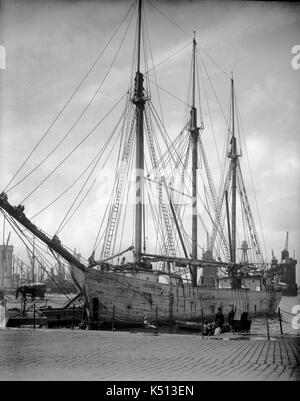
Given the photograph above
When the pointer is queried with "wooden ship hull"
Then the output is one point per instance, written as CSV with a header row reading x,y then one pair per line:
x,y
125,299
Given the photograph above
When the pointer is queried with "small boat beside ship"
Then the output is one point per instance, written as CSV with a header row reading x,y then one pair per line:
x,y
194,326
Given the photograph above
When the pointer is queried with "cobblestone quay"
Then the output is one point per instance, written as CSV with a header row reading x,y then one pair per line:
x,y
41,354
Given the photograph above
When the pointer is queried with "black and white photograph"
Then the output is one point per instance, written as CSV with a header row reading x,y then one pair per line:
x,y
149,193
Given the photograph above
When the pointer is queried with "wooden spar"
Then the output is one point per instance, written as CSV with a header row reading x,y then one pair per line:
x,y
17,212
98,262
139,102
195,263
194,136
228,223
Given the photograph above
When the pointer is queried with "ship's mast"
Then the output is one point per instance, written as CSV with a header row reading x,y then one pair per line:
x,y
194,137
234,157
139,102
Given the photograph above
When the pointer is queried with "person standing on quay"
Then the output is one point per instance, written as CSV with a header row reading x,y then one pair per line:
x,y
219,318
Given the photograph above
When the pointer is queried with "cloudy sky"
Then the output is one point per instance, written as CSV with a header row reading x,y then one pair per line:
x,y
50,45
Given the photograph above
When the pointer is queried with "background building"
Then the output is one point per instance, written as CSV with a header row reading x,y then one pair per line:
x,y
6,274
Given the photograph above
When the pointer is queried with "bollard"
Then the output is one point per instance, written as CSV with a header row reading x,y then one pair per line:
x,y
34,315
23,306
268,330
113,320
280,321
202,328
156,316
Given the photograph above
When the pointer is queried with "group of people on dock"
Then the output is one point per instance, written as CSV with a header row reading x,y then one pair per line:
x,y
219,326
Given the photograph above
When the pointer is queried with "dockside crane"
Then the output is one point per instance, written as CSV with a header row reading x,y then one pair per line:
x,y
285,252
274,260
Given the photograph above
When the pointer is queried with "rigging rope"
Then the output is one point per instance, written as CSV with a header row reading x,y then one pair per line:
x,y
96,244
67,102
12,224
153,67
89,175
214,91
76,147
98,154
190,36
252,182
169,57
122,170
167,136
126,203
82,113
168,18
209,113
224,72
88,191
165,90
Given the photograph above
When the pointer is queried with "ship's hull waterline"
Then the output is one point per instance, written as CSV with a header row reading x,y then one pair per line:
x,y
127,299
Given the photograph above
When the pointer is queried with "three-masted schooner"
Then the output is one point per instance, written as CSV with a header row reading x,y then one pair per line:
x,y
164,286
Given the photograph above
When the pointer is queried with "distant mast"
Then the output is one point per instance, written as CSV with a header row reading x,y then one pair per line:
x,y
194,136
138,100
233,155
